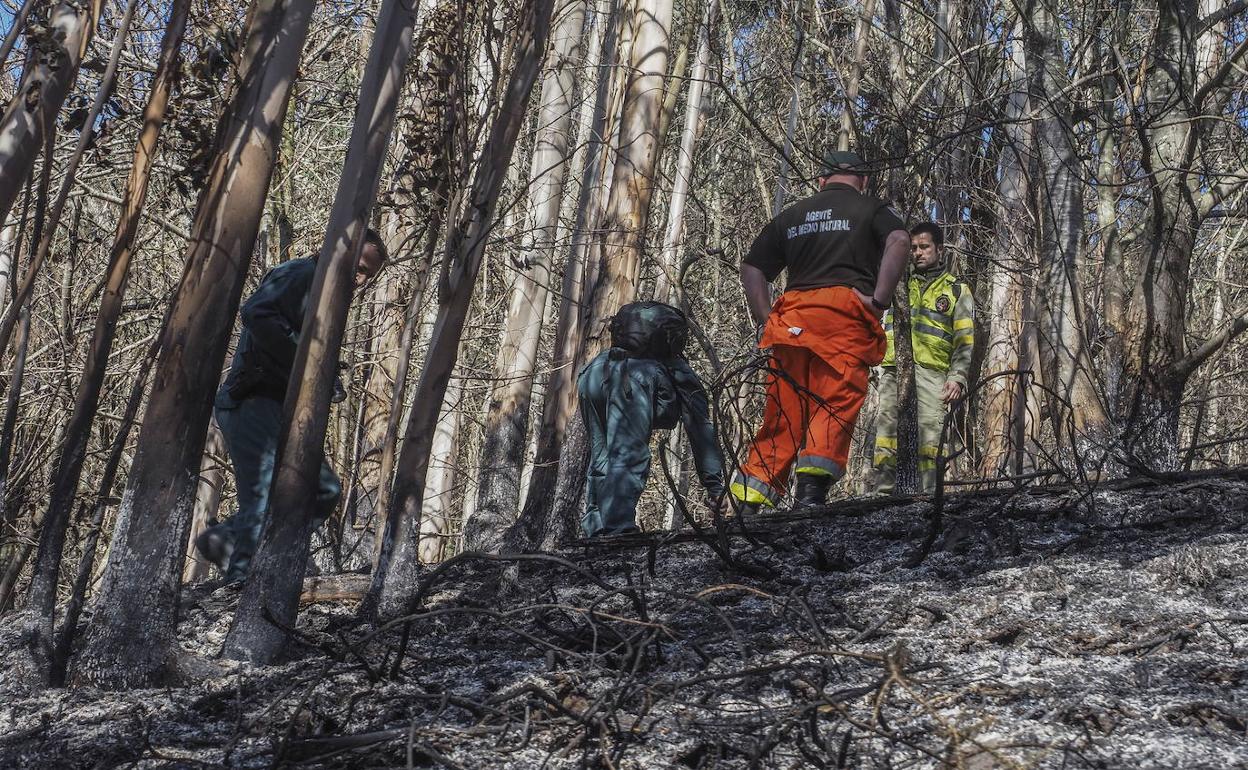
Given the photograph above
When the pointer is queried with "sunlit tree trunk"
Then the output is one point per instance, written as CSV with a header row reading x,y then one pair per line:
x,y
68,470
853,82
667,285
52,63
1181,88
507,418
131,638
437,510
1004,313
398,565
270,598
207,503
1062,335
532,526
616,252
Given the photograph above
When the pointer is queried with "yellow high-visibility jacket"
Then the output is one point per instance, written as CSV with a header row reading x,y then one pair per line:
x,y
942,325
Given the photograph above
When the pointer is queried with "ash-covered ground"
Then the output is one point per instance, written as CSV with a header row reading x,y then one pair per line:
x,y
1045,629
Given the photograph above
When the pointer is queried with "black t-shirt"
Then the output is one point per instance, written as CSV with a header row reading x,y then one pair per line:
x,y
833,238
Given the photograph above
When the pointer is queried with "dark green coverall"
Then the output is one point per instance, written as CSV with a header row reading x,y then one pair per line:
x,y
622,400
249,406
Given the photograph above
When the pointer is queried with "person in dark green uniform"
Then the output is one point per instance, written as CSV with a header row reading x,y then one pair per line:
x,y
248,407
942,321
640,384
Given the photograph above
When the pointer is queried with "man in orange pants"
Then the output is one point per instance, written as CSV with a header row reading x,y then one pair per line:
x,y
843,252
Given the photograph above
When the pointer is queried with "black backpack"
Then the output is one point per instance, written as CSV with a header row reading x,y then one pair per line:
x,y
650,330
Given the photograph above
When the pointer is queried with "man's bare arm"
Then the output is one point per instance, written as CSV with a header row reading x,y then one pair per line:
x,y
757,292
892,264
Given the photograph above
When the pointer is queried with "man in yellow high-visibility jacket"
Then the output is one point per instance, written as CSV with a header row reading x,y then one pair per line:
x,y
942,329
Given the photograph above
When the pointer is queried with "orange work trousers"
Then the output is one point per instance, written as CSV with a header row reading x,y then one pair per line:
x,y
823,343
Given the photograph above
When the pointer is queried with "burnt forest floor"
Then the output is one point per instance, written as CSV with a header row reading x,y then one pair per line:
x,y
1045,629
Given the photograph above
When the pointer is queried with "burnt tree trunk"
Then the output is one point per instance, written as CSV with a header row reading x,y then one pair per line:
x,y
131,638
616,251
531,528
399,563
507,418
908,479
68,469
276,577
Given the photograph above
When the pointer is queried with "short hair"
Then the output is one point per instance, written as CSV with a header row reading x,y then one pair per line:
x,y
374,237
931,228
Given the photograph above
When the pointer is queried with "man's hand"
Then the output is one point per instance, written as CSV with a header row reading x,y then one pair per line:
x,y
952,392
866,300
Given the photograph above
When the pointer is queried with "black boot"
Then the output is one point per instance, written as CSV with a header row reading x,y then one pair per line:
x,y
812,489
748,509
216,545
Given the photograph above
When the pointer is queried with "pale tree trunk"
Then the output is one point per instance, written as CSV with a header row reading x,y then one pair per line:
x,y
784,165
617,249
388,316
1064,356
853,82
1185,83
8,260
270,598
1114,292
51,69
131,640
8,432
207,503
398,565
668,284
68,469
1005,300
507,417
425,167
599,119
436,511
27,284
9,510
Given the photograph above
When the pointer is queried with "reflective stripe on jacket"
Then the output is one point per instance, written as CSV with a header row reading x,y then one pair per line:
x,y
942,325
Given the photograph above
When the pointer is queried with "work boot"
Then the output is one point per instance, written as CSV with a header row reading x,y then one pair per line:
x,y
812,489
747,509
216,544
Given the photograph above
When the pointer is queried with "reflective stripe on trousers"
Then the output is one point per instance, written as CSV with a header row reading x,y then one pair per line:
x,y
808,422
929,385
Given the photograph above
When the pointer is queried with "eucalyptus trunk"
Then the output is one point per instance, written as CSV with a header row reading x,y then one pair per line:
x,y
1065,359
507,417
52,63
533,526
616,250
68,470
1002,384
399,562
131,640
270,598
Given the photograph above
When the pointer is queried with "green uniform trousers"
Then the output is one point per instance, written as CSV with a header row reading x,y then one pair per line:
x,y
928,384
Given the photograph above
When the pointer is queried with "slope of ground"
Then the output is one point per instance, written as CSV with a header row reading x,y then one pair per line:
x,y
1046,629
